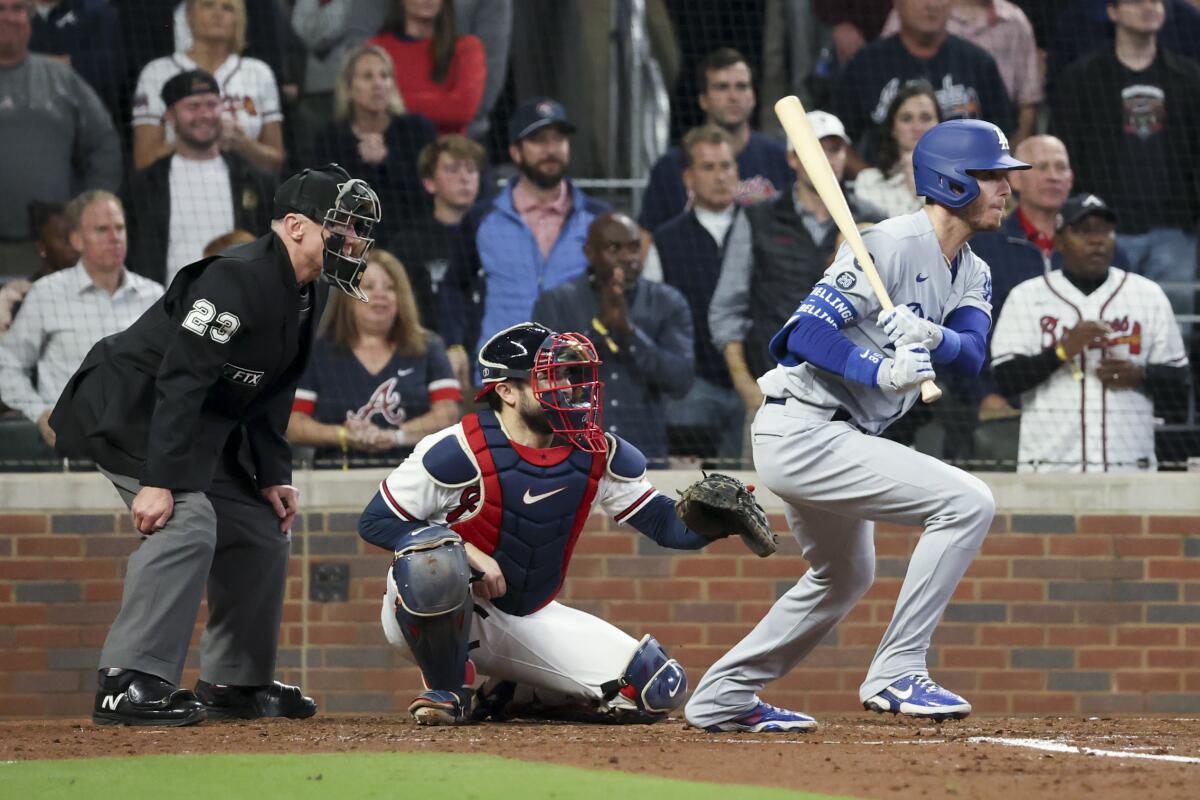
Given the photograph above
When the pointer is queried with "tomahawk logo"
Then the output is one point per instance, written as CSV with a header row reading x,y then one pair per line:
x,y
109,701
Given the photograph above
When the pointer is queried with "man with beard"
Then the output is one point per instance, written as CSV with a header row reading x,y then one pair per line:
x,y
186,199
848,369
530,237
492,507
727,99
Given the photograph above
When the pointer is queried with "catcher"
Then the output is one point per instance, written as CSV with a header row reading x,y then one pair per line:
x,y
493,507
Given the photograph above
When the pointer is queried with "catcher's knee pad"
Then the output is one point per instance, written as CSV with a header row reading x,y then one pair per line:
x,y
431,578
653,680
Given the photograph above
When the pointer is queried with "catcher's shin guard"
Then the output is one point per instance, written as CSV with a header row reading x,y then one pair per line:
x,y
433,604
654,681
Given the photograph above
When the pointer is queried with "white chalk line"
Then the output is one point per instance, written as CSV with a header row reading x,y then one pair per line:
x,y
1063,747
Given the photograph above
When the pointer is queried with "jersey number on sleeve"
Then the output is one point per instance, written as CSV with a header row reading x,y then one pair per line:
x,y
203,318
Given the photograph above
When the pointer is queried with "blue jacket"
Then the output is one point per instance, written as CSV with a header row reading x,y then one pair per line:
x,y
513,269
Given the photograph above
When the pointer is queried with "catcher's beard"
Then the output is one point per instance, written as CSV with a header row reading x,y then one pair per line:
x,y
533,415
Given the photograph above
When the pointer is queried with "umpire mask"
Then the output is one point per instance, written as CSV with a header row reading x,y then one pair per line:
x,y
347,210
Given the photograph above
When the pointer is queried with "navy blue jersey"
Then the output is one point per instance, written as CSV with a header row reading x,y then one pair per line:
x,y
337,387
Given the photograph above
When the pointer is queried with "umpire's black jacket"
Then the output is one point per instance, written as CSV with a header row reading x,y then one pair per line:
x,y
212,365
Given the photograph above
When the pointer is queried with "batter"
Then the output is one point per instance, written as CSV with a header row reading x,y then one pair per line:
x,y
846,370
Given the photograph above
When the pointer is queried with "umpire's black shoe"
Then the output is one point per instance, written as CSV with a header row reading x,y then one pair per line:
x,y
135,698
252,702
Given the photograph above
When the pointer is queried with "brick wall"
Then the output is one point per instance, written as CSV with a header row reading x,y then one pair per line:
x,y
1059,614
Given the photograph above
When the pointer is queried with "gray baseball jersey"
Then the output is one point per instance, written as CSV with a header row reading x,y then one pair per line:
x,y
912,267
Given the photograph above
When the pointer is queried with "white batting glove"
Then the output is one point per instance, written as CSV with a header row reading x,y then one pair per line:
x,y
910,368
902,326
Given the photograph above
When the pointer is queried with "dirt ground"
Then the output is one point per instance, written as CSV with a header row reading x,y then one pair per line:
x,y
863,756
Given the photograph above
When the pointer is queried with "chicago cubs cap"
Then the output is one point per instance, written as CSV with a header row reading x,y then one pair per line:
x,y
533,115
1081,206
824,124
186,84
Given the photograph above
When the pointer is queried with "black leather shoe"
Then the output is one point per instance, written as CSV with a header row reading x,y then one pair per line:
x,y
135,698
252,702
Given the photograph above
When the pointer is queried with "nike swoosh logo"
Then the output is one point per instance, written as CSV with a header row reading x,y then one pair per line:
x,y
907,693
863,354
530,499
403,372
922,278
674,691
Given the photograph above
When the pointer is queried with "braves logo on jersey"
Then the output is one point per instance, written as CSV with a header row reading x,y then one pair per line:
x,y
1124,333
384,401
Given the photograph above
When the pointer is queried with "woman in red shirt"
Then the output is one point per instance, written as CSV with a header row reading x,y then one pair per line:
x,y
439,73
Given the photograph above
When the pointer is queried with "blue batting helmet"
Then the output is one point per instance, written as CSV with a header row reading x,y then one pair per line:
x,y
947,152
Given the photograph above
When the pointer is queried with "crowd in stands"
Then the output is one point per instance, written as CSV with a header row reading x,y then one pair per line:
x,y
142,135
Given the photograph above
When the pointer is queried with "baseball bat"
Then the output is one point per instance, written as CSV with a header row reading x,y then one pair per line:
x,y
808,149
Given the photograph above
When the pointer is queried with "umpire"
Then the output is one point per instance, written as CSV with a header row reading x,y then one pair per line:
x,y
185,412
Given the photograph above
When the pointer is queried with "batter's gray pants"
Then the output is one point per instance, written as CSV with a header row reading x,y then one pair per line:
x,y
835,480
227,539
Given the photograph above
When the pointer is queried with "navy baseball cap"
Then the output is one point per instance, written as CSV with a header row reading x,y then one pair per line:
x,y
533,115
186,84
1081,206
311,192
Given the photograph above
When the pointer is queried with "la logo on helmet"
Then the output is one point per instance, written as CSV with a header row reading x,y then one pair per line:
x,y
1003,139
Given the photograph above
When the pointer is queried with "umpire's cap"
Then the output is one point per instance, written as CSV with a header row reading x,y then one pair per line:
x,y
510,354
1082,206
947,153
311,192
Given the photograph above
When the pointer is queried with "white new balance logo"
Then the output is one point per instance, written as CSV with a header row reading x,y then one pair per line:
x,y
109,701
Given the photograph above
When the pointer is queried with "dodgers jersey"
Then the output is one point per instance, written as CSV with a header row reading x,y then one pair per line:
x,y
1070,425
910,263
413,494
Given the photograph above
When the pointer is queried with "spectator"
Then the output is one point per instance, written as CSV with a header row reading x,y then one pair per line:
x,y
642,331
377,381
1093,351
889,185
235,237
435,249
965,77
764,279
86,34
1001,28
184,199
690,249
251,125
530,237
48,222
374,138
1130,116
329,31
490,21
852,23
64,314
55,134
727,99
440,74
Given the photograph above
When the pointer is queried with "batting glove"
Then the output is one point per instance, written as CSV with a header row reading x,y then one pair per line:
x,y
902,326
910,368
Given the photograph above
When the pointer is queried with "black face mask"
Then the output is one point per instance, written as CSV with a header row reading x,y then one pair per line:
x,y
351,223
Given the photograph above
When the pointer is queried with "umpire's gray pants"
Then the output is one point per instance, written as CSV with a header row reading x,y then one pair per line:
x,y
228,540
834,480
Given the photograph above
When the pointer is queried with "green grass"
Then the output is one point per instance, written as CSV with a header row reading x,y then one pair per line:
x,y
356,776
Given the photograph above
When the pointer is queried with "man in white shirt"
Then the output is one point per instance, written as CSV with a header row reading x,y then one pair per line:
x,y
184,200
65,313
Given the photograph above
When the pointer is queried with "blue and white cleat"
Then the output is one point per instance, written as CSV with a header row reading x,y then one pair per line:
x,y
766,718
439,707
918,696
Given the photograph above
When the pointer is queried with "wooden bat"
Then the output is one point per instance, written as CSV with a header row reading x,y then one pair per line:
x,y
808,149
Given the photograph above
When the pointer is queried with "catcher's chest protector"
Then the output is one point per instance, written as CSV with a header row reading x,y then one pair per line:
x,y
530,513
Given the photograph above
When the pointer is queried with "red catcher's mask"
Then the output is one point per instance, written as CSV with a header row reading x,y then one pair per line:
x,y
566,382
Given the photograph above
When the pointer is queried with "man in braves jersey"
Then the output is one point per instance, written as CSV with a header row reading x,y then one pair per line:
x,y
1093,351
493,506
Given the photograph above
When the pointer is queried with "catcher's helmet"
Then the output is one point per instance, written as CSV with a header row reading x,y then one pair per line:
x,y
563,371
949,152
347,207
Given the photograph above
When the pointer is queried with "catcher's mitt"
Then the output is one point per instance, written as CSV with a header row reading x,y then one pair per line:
x,y
718,506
